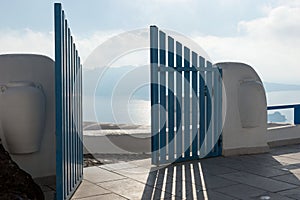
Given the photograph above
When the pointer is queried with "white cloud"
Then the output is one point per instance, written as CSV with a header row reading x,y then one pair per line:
x,y
122,49
29,41
86,45
270,44
26,41
281,23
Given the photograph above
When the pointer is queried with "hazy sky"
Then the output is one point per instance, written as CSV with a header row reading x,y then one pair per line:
x,y
264,34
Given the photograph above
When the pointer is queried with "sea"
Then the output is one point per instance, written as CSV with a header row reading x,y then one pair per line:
x,y
134,111
283,98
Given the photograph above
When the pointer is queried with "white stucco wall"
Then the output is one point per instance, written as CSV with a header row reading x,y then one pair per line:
x,y
38,69
117,144
244,110
283,134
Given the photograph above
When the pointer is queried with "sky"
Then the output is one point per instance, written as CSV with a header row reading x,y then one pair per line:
x,y
264,34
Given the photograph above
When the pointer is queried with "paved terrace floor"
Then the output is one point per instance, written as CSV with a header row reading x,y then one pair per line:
x,y
275,176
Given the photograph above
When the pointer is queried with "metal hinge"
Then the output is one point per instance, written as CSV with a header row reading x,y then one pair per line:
x,y
220,141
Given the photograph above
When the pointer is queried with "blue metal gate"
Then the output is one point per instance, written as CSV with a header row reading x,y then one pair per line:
x,y
68,91
186,102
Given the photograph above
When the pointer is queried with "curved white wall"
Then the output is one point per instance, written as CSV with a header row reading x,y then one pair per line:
x,y
244,110
38,69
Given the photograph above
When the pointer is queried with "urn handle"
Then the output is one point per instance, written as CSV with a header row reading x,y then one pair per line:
x,y
39,86
2,88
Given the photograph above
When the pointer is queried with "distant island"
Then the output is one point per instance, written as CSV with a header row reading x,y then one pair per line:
x,y
277,117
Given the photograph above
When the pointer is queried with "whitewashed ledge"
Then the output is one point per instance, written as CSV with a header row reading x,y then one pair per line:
x,y
280,134
116,138
133,139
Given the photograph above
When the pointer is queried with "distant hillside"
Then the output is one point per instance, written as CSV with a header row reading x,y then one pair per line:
x,y
103,83
272,87
131,75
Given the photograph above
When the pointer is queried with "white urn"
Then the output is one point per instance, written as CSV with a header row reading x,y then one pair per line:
x,y
23,113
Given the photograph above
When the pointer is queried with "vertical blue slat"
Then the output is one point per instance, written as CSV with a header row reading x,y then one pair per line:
x,y
202,130
215,110
75,105
178,101
69,111
73,116
66,108
81,121
58,98
154,93
194,106
220,110
74,119
208,134
77,117
80,125
187,103
162,97
65,164
171,140
65,122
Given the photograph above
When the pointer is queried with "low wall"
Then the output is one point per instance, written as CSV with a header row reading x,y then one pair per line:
x,y
244,110
283,134
117,144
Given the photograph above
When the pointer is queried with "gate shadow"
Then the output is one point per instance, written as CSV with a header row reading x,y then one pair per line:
x,y
183,178
196,179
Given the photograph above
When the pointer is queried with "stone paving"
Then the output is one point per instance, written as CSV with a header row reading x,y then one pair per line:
x,y
275,176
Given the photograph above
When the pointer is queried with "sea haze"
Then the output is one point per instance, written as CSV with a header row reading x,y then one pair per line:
x,y
106,98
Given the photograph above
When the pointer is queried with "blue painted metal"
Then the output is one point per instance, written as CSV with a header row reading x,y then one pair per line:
x,y
186,102
279,107
209,134
296,108
202,104
297,115
197,86
220,114
68,94
179,138
194,106
171,110
154,95
162,98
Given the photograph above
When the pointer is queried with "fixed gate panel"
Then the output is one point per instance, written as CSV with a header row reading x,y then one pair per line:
x,y
68,92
